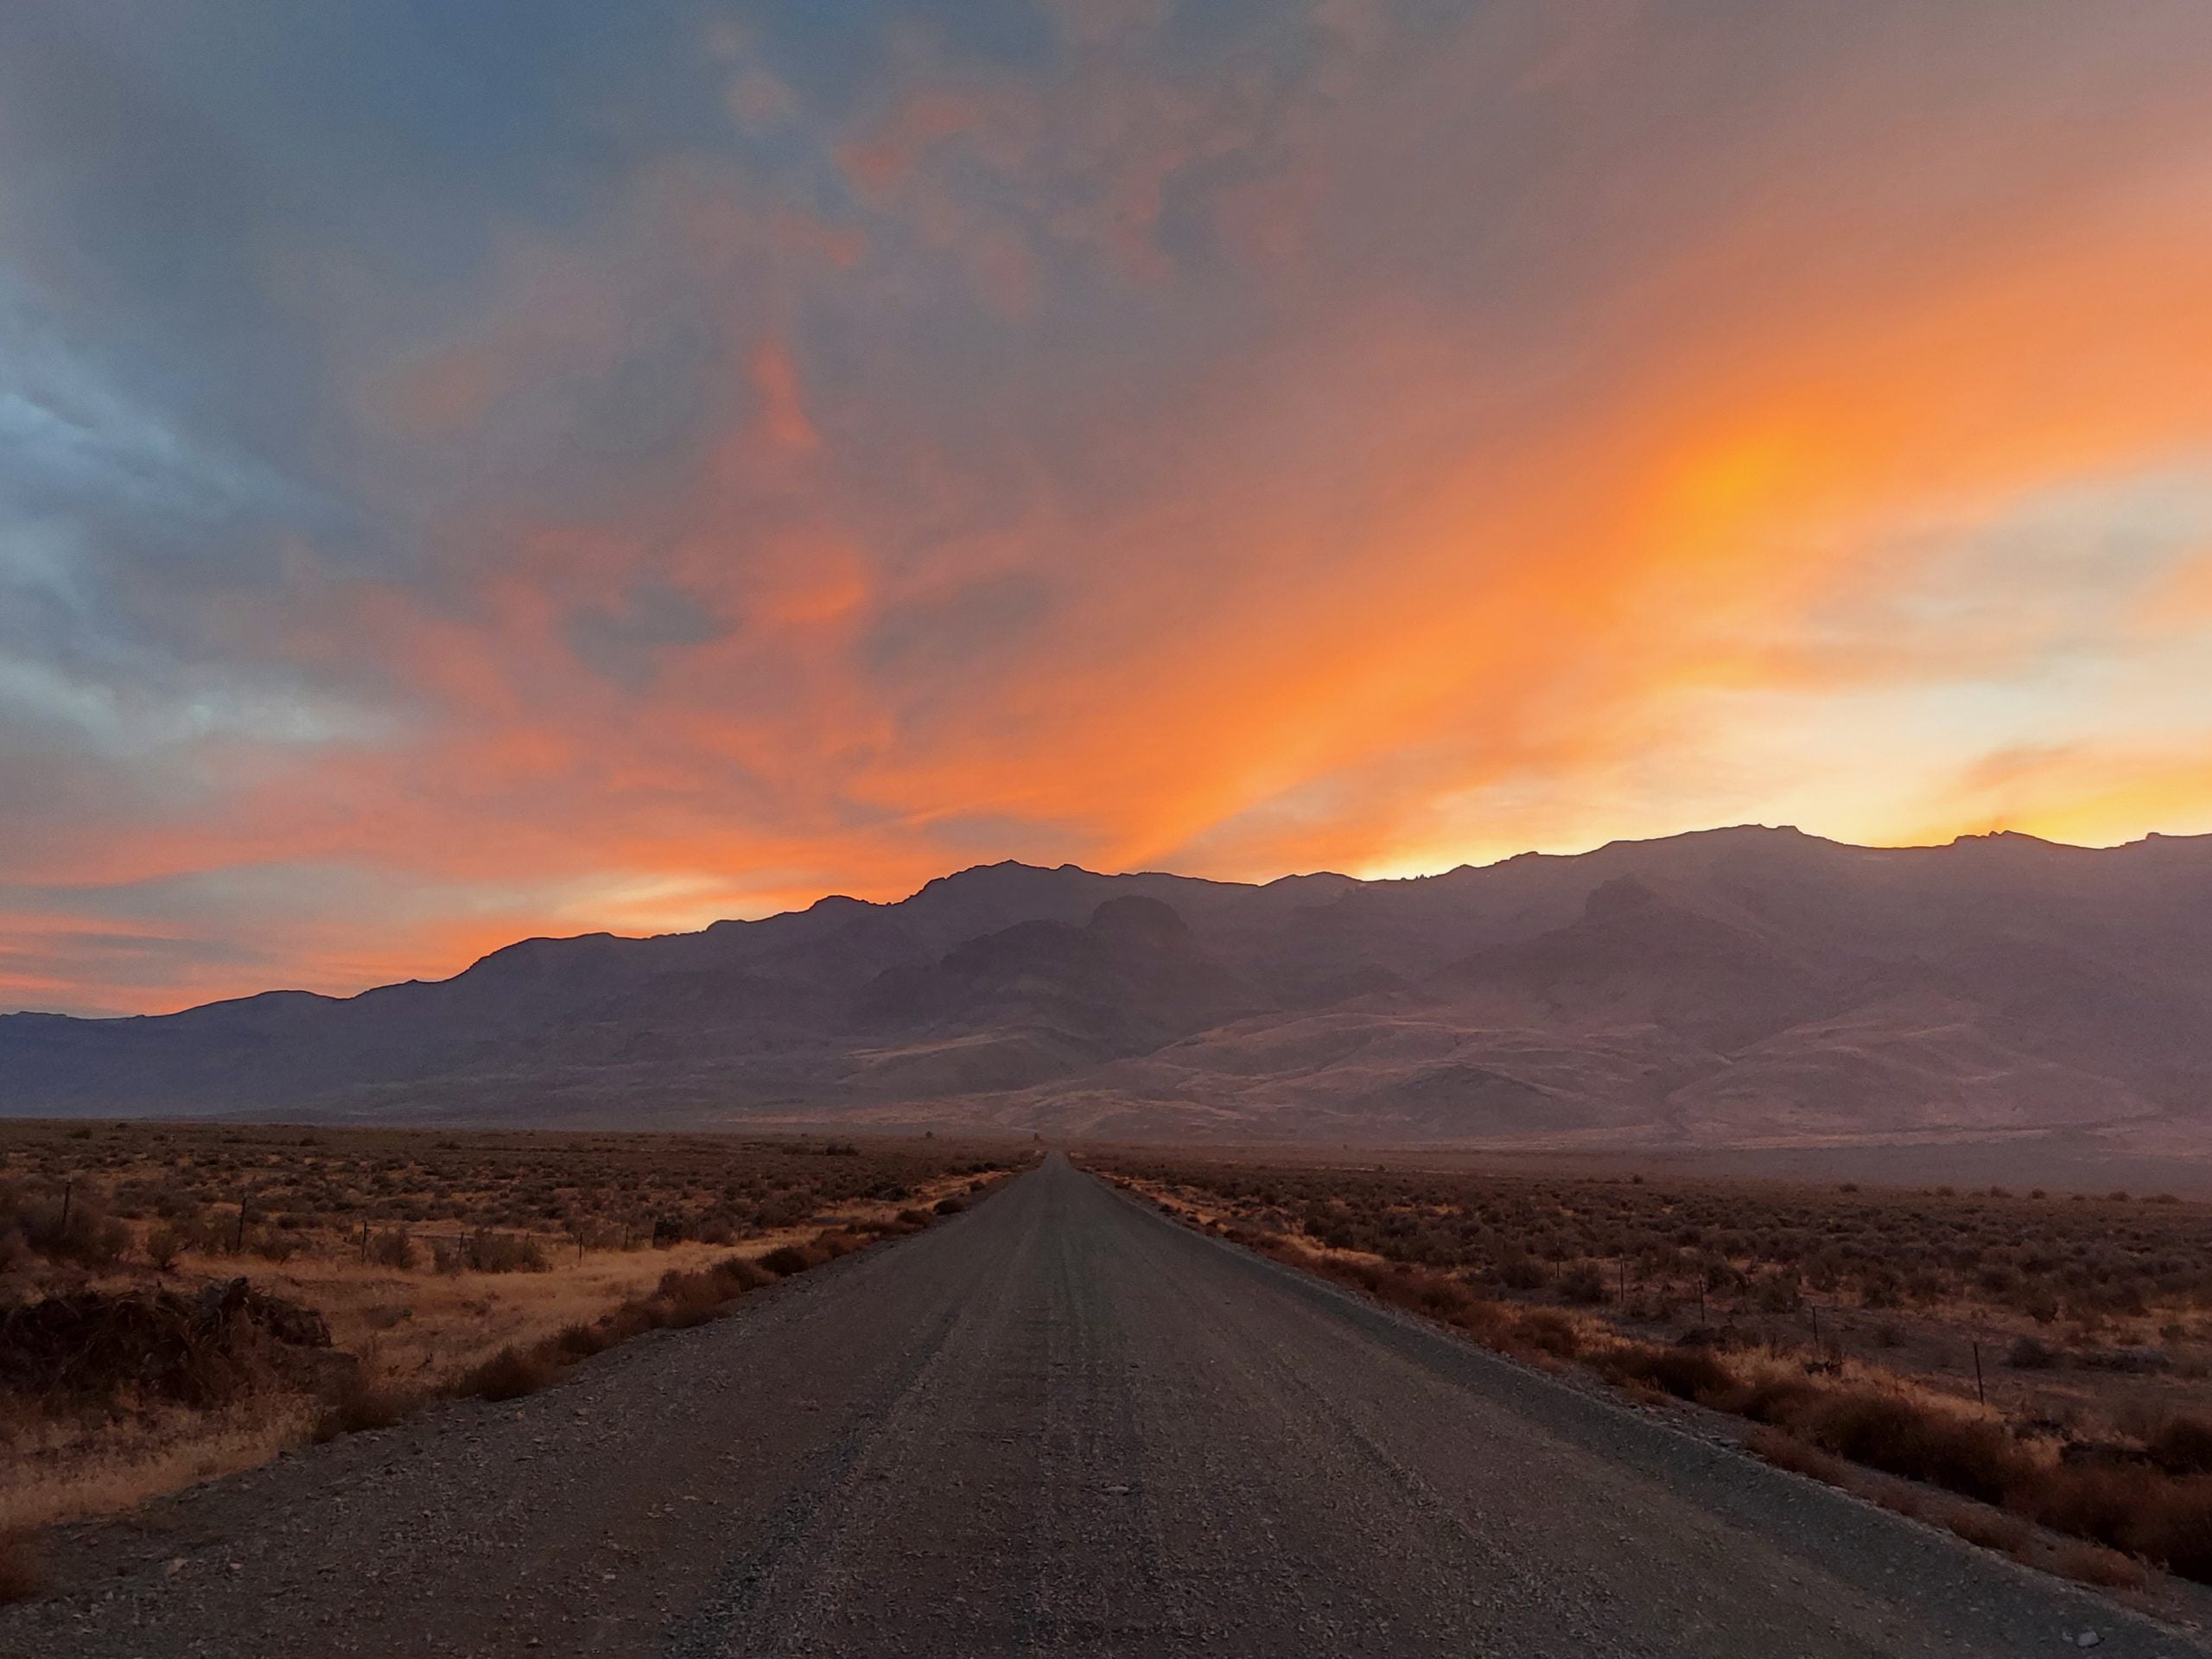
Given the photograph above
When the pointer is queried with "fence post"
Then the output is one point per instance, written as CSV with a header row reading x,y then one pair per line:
x,y
237,1238
1980,1396
68,1189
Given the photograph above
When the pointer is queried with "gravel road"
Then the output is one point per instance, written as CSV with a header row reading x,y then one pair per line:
x,y
1058,1424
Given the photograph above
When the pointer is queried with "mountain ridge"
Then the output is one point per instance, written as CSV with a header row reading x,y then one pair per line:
x,y
1725,987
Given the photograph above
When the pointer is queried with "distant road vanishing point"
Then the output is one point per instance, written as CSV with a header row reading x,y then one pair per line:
x,y
1058,1424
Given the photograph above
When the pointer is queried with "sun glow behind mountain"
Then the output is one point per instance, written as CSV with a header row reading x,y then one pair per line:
x,y
472,475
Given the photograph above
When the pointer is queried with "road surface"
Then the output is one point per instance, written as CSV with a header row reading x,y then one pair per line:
x,y
1057,1424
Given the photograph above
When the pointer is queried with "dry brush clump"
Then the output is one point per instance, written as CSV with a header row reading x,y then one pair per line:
x,y
22,1566
100,1349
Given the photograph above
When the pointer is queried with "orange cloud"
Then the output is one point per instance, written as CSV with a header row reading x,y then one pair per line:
x,y
1419,548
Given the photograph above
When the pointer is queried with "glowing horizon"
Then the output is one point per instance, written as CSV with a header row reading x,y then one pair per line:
x,y
475,477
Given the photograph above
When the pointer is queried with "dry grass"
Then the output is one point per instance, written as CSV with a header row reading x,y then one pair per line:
x,y
63,1474
440,1265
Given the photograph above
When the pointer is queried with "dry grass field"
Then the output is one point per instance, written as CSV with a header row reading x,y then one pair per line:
x,y
2048,1356
383,1269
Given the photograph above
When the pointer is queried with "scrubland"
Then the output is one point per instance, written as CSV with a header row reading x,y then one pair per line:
x,y
181,1300
2033,1369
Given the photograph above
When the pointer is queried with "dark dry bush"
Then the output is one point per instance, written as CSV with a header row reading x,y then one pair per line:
x,y
486,1251
787,1259
2134,1509
355,1404
73,1229
511,1373
2138,1510
1685,1373
165,1248
581,1341
1786,1451
204,1350
22,1566
631,1319
950,1206
1547,1331
2031,1354
691,1298
2088,1564
1582,1285
681,1299
1431,1294
1976,1458
2183,1446
1991,1528
1518,1272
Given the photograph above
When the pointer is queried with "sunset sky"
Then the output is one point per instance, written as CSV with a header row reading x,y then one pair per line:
x,y
469,471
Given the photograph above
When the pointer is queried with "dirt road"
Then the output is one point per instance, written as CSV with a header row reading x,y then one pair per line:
x,y
1058,1424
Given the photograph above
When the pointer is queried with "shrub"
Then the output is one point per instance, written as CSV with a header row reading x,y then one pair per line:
x,y
201,1350
1583,1285
581,1341
165,1248
486,1251
2088,1564
950,1206
1788,1452
356,1404
1523,1271
22,1566
2031,1354
1898,1435
2182,1445
1977,1458
2173,1526
787,1259
1991,1528
394,1249
689,1298
1547,1331
1778,1293
75,1229
510,1374
1684,1373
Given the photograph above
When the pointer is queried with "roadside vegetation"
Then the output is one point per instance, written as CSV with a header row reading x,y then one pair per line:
x,y
178,1301
2042,1358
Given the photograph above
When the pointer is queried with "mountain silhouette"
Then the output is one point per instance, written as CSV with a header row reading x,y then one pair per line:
x,y
1725,988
